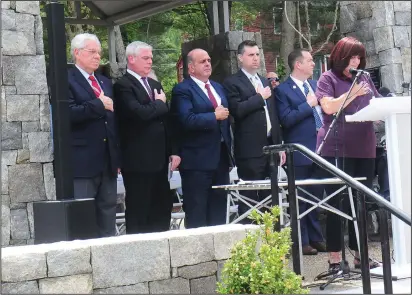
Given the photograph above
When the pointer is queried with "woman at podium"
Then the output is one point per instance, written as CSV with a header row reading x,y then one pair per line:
x,y
350,146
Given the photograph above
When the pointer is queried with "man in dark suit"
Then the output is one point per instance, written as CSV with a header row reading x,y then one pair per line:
x,y
301,117
200,110
256,123
145,143
93,132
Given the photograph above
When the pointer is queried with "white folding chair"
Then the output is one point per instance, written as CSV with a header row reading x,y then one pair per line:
x,y
234,197
177,215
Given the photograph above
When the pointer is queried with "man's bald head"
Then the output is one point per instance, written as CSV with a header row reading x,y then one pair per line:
x,y
191,56
199,64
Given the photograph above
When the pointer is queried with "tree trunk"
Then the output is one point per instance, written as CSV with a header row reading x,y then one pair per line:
x,y
120,49
288,33
118,69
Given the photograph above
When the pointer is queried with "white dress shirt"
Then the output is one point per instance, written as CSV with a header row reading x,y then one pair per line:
x,y
202,86
139,78
299,83
254,78
256,82
87,75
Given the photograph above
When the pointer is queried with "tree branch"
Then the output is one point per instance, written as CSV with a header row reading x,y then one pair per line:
x,y
334,28
287,19
308,25
299,25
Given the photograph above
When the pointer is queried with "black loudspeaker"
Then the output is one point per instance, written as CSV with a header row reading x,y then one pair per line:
x,y
64,220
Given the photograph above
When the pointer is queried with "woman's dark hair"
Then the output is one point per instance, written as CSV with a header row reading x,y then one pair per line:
x,y
343,51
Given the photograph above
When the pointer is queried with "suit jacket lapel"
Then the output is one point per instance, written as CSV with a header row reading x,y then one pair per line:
x,y
221,94
100,81
137,84
83,82
295,89
200,92
313,84
246,81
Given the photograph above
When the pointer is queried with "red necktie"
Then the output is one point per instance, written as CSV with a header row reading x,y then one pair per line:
x,y
96,88
211,96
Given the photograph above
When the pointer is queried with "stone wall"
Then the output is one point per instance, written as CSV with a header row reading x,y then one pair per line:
x,y
222,49
384,27
26,145
188,261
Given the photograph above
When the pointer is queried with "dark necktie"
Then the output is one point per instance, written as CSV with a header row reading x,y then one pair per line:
x,y
149,90
318,120
211,96
95,86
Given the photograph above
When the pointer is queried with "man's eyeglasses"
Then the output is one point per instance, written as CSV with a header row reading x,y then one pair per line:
x,y
92,52
274,79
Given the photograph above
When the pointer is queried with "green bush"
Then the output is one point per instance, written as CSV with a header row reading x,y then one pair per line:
x,y
258,263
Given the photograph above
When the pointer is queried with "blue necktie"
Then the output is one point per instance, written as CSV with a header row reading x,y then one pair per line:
x,y
318,120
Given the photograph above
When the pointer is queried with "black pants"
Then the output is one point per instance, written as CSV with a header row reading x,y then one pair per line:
x,y
355,167
148,202
203,205
381,165
102,188
253,169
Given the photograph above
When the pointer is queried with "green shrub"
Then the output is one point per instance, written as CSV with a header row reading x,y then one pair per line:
x,y
258,263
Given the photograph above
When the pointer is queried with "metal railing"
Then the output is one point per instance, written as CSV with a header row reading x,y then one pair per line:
x,y
362,190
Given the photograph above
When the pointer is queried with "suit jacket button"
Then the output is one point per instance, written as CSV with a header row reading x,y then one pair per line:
x,y
105,122
104,139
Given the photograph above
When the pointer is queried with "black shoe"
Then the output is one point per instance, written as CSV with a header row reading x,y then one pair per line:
x,y
320,246
308,250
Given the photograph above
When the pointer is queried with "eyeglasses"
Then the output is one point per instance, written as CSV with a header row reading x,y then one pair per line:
x,y
92,52
274,79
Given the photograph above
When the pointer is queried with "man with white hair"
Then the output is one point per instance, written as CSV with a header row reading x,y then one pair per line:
x,y
95,154
145,143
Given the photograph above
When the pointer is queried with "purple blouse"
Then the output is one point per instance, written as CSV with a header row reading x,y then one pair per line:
x,y
351,139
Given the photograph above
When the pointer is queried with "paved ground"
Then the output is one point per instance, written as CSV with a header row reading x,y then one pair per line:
x,y
314,265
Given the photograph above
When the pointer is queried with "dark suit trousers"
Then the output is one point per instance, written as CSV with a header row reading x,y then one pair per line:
x,y
203,205
355,167
102,188
253,169
310,229
148,201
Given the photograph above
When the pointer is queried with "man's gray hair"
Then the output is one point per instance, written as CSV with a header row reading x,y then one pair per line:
x,y
79,42
133,48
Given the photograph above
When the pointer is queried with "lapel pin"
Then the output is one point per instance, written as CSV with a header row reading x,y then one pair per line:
x,y
294,87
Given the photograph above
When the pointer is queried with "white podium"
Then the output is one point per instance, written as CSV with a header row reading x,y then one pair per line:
x,y
396,112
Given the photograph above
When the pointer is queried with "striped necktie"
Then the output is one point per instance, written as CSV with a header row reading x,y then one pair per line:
x,y
318,120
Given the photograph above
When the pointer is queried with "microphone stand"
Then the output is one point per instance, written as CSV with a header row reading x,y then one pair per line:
x,y
344,271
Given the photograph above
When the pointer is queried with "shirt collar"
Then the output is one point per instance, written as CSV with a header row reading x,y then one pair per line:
x,y
298,82
136,75
84,73
249,76
201,84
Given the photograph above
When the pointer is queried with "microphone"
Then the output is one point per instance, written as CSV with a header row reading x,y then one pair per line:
x,y
355,72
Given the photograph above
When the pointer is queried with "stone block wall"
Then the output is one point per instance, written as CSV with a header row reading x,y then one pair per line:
x,y
26,142
188,261
222,49
384,27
